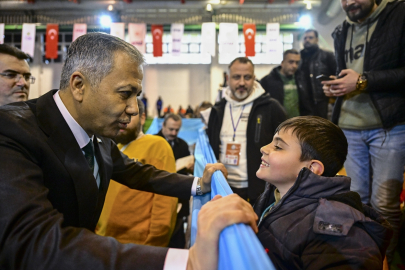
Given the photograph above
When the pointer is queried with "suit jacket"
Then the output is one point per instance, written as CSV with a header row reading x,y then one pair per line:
x,y
50,202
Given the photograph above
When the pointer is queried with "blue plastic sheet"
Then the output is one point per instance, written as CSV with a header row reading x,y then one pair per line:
x,y
239,247
188,131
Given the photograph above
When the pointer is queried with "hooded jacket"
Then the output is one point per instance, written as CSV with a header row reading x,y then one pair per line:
x,y
264,117
384,64
320,224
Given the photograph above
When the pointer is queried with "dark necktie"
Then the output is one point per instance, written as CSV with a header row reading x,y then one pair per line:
x,y
89,154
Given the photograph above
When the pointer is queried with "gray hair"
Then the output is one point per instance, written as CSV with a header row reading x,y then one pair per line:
x,y
173,116
93,56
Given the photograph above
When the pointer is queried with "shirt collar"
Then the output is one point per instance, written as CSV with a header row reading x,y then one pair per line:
x,y
80,135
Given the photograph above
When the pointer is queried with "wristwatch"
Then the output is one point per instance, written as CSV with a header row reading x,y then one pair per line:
x,y
198,189
361,82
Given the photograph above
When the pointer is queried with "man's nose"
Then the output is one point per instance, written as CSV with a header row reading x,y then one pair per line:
x,y
21,80
132,106
242,81
349,2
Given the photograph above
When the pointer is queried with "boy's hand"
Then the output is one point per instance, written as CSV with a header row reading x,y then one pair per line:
x,y
214,216
344,85
208,171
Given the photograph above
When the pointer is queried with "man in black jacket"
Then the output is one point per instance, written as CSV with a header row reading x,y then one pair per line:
x,y
370,108
244,120
314,62
285,84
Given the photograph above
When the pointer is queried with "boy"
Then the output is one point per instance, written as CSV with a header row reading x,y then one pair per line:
x,y
308,218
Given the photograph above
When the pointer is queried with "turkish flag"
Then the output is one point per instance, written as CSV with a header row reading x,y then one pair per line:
x,y
157,34
51,46
249,31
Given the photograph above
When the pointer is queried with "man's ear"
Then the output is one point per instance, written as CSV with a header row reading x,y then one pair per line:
x,y
77,85
316,167
142,118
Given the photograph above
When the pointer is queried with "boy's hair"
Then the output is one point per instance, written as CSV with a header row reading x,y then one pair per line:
x,y
320,139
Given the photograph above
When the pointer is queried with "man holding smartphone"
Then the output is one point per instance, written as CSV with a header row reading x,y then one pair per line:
x,y
315,61
370,105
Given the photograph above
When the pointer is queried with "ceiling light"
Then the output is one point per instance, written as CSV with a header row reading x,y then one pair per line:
x,y
309,4
305,21
110,8
215,2
209,7
105,21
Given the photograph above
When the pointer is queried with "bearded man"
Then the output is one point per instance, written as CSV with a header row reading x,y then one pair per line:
x,y
133,216
239,124
370,105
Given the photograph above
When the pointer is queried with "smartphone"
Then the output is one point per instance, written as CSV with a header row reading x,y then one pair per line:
x,y
322,78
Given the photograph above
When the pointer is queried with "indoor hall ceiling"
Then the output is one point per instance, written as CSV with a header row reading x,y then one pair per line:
x,y
154,11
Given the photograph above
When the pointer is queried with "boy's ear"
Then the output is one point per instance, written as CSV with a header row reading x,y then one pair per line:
x,y
316,167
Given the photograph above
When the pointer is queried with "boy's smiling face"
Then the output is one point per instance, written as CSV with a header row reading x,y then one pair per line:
x,y
281,160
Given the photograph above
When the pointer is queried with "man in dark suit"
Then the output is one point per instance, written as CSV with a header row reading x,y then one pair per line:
x,y
57,159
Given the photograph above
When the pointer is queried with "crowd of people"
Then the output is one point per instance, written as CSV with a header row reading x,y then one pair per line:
x,y
82,187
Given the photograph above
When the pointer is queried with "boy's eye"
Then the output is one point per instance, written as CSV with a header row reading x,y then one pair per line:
x,y
276,147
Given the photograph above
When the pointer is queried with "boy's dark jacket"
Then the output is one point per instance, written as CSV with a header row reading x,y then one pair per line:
x,y
320,224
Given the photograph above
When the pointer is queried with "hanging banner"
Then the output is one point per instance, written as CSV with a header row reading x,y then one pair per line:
x,y
28,38
79,29
118,30
249,32
228,41
136,34
274,45
157,34
1,33
51,45
208,38
176,31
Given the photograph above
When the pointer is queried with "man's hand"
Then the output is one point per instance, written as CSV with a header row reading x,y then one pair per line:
x,y
208,171
342,86
214,216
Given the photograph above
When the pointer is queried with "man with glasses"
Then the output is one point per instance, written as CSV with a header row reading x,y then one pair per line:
x,y
15,75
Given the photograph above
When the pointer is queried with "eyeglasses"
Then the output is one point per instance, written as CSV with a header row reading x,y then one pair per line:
x,y
17,77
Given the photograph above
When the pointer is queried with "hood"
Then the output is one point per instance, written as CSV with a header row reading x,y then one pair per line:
x,y
257,91
373,16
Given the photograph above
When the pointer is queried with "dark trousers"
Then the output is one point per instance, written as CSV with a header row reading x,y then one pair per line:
x,y
320,108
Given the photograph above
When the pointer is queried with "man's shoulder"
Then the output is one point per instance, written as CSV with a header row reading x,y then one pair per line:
x,y
273,75
153,140
16,114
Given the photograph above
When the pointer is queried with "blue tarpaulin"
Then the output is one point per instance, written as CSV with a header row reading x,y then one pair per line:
x,y
188,131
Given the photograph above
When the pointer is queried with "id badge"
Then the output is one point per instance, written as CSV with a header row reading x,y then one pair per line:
x,y
232,153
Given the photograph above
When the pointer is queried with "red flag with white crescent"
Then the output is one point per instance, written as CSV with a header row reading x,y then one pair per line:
x,y
51,46
249,31
157,34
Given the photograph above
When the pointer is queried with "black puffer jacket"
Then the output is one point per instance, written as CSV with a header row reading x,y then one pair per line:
x,y
265,116
319,62
384,64
273,84
320,224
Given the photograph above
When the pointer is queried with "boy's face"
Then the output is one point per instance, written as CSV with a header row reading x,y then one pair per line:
x,y
281,160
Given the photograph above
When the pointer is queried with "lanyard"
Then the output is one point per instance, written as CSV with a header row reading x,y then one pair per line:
x,y
237,123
